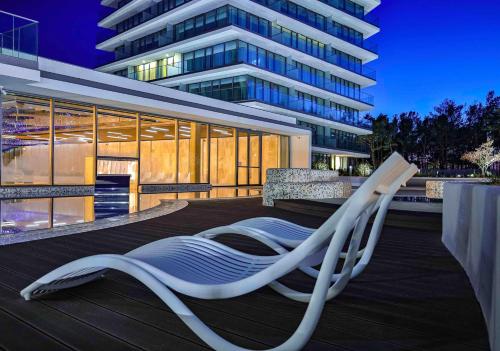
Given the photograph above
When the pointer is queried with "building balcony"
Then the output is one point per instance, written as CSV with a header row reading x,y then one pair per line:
x,y
241,16
249,90
352,9
240,53
276,34
343,32
18,37
328,142
326,24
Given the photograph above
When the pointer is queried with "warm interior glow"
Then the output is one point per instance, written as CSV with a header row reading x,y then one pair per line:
x,y
171,150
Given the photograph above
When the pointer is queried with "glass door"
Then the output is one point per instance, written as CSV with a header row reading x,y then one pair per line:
x,y
255,158
243,158
249,159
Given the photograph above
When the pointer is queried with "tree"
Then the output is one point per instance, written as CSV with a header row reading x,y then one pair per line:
x,y
492,118
435,141
484,156
447,122
406,133
381,141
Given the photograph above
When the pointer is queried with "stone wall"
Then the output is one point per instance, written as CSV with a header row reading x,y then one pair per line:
x,y
301,183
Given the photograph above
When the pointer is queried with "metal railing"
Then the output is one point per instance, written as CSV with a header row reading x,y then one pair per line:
x,y
167,37
282,100
352,9
327,26
18,36
339,144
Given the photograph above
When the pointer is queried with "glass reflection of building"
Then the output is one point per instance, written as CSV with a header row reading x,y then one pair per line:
x,y
53,142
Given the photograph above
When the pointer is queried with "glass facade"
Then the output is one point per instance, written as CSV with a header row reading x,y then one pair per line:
x,y
117,131
285,7
157,9
248,88
158,150
229,15
73,144
251,87
315,20
50,142
335,139
26,136
237,52
159,69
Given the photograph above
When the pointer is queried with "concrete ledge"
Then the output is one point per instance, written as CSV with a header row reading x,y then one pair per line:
x,y
300,175
30,192
166,207
174,188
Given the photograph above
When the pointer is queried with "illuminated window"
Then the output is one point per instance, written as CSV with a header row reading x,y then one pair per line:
x,y
275,153
222,156
73,144
158,150
193,152
25,141
117,133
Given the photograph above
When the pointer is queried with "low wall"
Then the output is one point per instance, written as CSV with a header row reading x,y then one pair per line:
x,y
434,189
301,183
433,186
27,192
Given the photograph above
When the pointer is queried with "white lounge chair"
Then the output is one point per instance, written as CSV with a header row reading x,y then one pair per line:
x,y
281,235
205,269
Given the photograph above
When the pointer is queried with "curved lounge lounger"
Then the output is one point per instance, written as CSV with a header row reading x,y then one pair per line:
x,y
281,235
205,269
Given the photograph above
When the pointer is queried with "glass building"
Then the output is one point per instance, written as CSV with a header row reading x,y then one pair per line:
x,y
47,141
304,59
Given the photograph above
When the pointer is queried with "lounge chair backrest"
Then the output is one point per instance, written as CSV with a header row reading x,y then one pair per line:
x,y
349,218
353,215
377,184
383,205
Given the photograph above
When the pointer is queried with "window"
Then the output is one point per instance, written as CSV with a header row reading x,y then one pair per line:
x,y
25,141
117,133
74,161
158,150
193,152
222,156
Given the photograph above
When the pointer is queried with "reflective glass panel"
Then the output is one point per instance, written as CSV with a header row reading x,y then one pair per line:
x,y
74,157
117,133
25,141
193,152
222,156
158,150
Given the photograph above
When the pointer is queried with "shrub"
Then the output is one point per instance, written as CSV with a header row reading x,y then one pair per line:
x,y
320,165
364,169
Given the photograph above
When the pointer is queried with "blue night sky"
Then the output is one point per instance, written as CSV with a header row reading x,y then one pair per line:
x,y
429,49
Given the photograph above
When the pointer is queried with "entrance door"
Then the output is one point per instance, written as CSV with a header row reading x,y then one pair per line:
x,y
249,162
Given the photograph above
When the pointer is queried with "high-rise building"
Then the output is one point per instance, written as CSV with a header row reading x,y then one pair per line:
x,y
303,59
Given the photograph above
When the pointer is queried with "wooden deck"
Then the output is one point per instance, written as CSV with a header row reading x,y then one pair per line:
x,y
413,296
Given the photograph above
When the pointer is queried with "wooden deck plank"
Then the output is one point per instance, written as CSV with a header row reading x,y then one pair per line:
x,y
52,322
413,296
18,335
